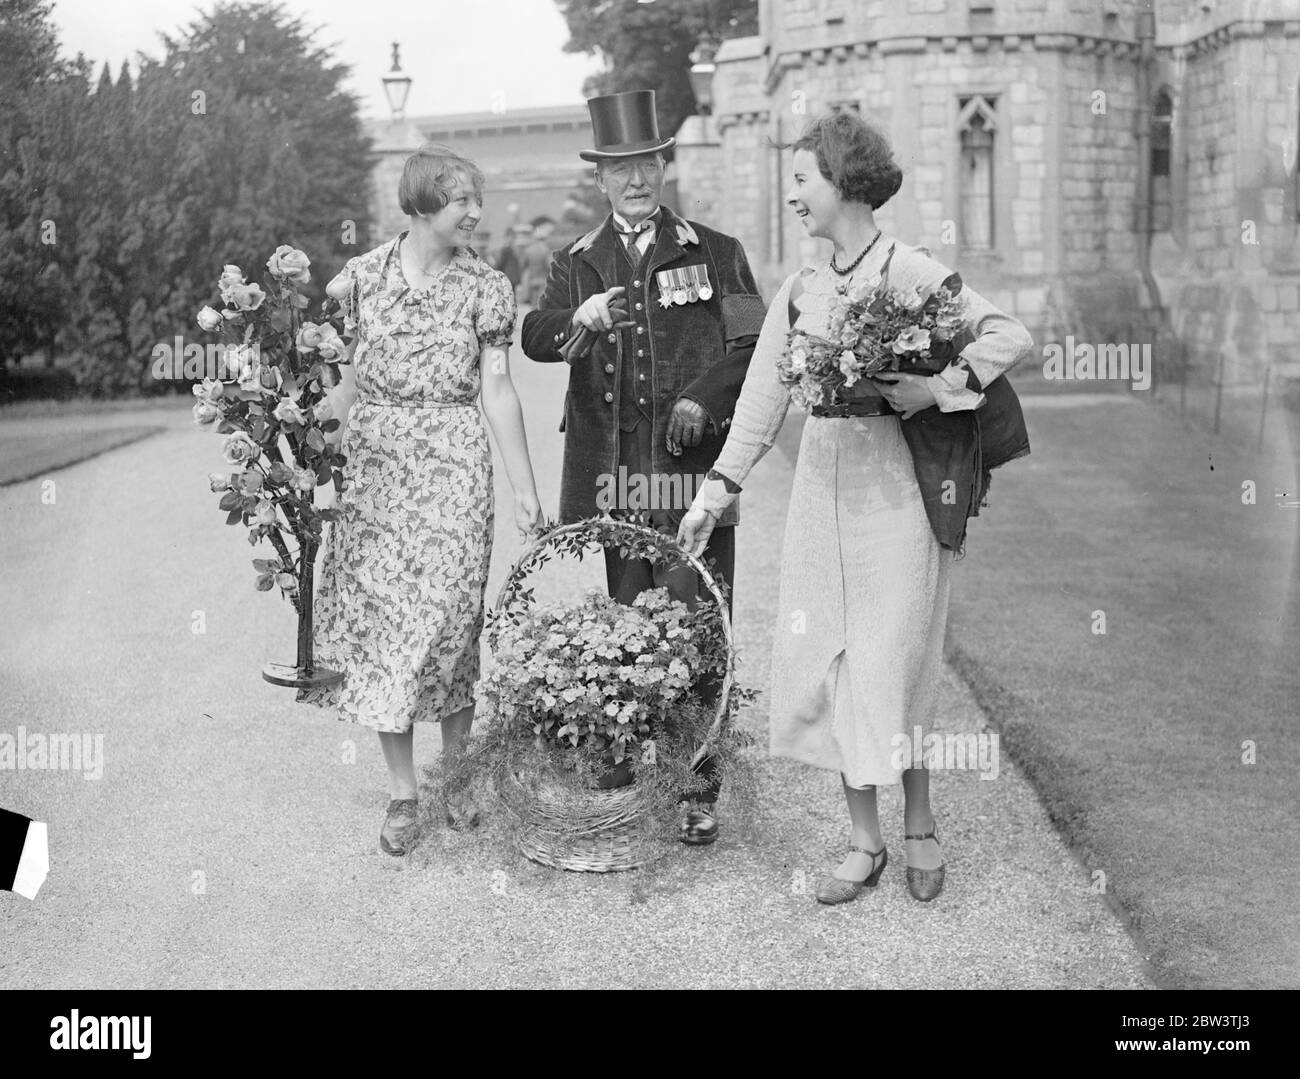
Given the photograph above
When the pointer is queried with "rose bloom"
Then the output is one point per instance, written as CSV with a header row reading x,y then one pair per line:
x,y
286,581
209,319
249,482
280,473
250,370
239,448
290,263
244,297
310,336
230,276
305,480
288,412
264,514
912,339
333,346
206,412
210,389
219,481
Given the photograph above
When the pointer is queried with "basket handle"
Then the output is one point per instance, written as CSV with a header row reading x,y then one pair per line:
x,y
605,531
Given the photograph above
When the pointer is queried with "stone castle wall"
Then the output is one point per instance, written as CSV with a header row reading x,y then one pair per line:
x,y
1064,76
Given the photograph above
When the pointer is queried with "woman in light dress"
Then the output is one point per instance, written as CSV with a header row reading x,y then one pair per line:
x,y
864,578
400,607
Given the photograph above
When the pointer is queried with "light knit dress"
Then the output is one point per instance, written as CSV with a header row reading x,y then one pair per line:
x,y
864,583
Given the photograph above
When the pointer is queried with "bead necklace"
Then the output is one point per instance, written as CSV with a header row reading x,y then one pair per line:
x,y
854,264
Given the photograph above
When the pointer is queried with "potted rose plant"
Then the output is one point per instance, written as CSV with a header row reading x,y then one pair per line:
x,y
272,407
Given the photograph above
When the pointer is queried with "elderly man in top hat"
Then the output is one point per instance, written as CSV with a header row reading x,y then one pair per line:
x,y
670,312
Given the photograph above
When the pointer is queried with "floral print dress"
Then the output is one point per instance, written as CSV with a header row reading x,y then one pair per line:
x,y
399,608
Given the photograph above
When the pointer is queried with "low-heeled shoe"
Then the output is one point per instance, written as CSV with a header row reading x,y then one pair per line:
x,y
833,889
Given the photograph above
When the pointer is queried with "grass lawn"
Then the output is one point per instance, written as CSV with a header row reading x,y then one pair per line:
x,y
92,406
1137,738
32,453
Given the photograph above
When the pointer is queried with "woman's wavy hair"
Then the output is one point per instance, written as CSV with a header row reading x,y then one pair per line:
x,y
431,174
854,156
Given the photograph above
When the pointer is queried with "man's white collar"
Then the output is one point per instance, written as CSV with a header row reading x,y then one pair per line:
x,y
685,234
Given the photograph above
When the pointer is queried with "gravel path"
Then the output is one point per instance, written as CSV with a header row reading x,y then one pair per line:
x,y
231,841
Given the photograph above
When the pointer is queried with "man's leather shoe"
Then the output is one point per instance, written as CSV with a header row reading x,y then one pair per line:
x,y
699,826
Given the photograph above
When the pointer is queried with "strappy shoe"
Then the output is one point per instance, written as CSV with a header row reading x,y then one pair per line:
x,y
401,827
924,884
834,889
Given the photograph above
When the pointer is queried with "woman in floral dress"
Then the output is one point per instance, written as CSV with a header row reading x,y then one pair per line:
x,y
854,666
400,607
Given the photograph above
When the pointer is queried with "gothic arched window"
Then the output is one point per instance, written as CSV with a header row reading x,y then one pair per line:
x,y
1162,126
977,125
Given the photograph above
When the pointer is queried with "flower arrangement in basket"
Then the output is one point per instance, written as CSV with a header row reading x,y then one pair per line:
x,y
873,328
273,410
598,711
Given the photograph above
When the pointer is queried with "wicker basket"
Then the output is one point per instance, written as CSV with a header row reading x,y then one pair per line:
x,y
598,831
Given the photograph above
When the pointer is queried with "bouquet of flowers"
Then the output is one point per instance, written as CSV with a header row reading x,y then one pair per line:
x,y
601,676
872,329
280,368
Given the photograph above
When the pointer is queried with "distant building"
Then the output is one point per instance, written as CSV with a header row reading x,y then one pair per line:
x,y
529,158
1036,138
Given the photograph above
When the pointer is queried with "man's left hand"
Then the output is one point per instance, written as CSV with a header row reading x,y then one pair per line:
x,y
906,394
686,425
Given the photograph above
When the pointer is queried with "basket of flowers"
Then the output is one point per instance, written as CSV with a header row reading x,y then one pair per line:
x,y
599,711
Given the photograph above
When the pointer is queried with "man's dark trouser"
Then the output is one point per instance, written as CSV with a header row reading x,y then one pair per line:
x,y
628,578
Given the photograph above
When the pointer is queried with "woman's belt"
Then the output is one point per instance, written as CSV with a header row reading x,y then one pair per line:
x,y
863,406
414,402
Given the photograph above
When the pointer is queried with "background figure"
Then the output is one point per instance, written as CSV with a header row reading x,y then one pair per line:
x,y
537,260
676,313
509,261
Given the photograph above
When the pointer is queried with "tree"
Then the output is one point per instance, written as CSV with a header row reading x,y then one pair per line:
x,y
262,147
647,46
29,44
40,93
237,140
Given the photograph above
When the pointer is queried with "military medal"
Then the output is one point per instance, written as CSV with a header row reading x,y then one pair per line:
x,y
687,284
699,279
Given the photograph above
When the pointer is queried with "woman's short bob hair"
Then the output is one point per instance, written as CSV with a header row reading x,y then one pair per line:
x,y
430,176
854,157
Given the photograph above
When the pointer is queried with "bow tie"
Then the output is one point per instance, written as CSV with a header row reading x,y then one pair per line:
x,y
630,234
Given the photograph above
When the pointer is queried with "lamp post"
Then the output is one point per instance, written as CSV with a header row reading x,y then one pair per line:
x,y
702,72
397,86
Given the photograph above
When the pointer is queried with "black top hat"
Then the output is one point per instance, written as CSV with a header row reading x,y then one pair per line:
x,y
625,125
